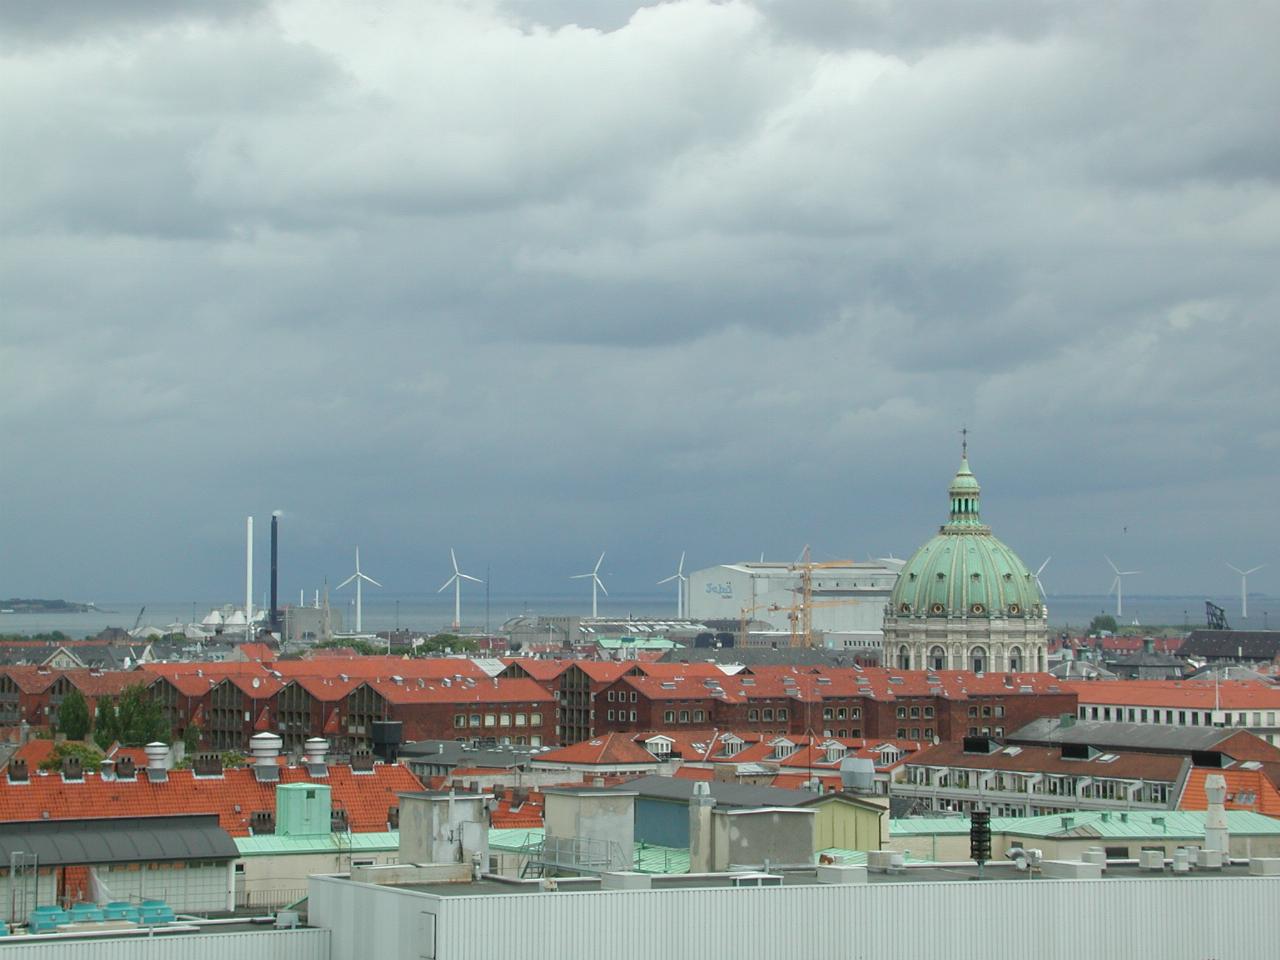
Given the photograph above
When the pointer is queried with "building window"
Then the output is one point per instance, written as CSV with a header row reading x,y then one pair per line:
x,y
753,715
669,716
782,713
901,713
698,716
611,696
535,741
855,713
828,713
521,720
633,716
768,714
684,716
610,714
633,696
475,720
915,713
535,719
973,711
902,733
459,719
915,733
928,733
504,720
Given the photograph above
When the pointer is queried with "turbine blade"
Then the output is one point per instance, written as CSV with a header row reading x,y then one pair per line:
x,y
598,562
668,580
454,559
368,579
680,569
465,576
346,581
600,584
1043,565
581,576
1253,569
1110,564
1232,566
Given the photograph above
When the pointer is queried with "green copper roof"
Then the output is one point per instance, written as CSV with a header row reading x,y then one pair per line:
x,y
273,844
964,571
1140,824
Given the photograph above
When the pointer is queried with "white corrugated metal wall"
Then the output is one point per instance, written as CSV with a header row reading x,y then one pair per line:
x,y
266,944
1196,919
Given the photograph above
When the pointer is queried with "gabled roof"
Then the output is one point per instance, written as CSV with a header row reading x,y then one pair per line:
x,y
610,750
1178,694
234,796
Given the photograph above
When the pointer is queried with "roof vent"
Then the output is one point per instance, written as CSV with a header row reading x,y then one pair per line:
x,y
18,771
315,749
157,761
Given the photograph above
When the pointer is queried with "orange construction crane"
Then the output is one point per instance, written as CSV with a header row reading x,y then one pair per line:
x,y
801,612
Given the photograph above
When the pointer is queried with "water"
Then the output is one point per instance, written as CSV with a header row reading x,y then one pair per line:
x,y
431,613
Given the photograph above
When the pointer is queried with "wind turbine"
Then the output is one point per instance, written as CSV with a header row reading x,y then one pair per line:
x,y
1118,585
358,577
456,580
595,582
1244,587
680,580
1037,577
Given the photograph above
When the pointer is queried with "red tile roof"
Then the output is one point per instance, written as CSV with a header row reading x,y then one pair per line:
x,y
234,797
612,749
1124,763
1254,790
1193,694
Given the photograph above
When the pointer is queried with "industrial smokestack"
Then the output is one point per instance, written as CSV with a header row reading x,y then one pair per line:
x,y
248,579
275,607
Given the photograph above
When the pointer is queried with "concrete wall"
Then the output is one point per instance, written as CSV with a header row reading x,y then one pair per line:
x,y
269,880
952,848
749,837
601,815
993,920
442,829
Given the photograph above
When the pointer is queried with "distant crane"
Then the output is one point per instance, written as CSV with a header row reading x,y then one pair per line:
x,y
138,619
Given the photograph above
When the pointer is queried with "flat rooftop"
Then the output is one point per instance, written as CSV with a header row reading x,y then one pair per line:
x,y
1002,870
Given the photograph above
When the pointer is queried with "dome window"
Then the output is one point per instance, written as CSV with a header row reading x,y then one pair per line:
x,y
1008,577
904,607
912,575
975,576
937,607
977,608
1014,609
941,575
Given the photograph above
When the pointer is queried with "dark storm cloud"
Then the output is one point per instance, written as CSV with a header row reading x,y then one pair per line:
x,y
550,278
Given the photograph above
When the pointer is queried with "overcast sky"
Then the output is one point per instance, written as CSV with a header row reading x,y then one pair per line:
x,y
540,279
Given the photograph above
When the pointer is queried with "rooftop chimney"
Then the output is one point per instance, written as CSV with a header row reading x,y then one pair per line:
x,y
157,761
315,750
18,771
125,769
1215,816
265,748
700,805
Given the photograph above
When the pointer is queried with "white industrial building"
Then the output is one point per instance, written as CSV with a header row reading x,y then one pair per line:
x,y
848,598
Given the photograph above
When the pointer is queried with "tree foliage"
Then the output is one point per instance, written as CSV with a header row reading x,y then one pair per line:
x,y
135,721
89,757
1103,622
73,716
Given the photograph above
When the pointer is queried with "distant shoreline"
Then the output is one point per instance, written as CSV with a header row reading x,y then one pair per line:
x,y
17,605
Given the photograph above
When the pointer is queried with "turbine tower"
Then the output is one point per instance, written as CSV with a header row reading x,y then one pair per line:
x,y
596,582
456,580
1037,578
1244,587
680,580
1118,585
358,577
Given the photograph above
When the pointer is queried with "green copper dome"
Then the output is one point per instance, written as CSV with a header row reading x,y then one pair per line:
x,y
965,571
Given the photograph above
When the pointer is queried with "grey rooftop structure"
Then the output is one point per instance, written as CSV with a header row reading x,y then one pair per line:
x,y
725,794
60,843
1146,737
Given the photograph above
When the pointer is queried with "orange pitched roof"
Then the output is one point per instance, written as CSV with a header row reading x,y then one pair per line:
x,y
1192,694
1246,789
611,749
234,796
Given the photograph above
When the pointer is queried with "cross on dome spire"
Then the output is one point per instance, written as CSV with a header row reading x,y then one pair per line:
x,y
964,442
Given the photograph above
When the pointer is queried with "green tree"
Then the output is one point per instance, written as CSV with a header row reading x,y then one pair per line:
x,y
1103,622
135,721
191,738
73,716
104,724
89,757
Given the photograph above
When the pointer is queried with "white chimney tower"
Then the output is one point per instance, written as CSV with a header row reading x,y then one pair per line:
x,y
1216,836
